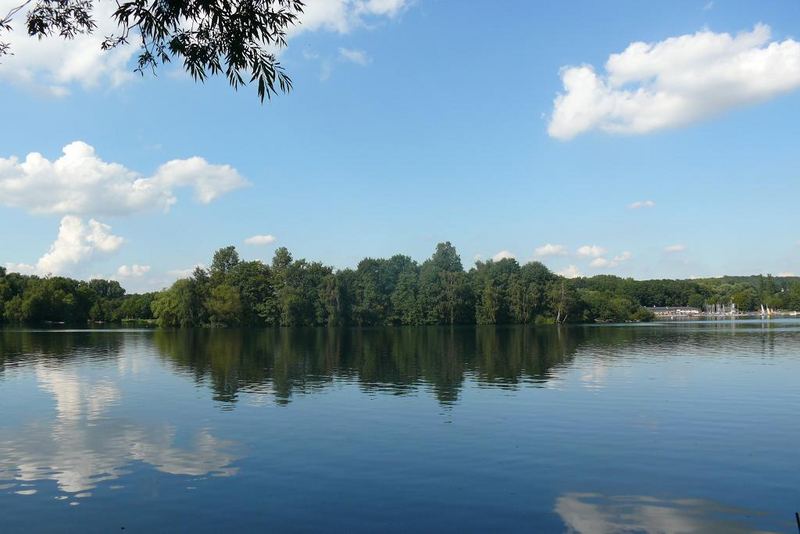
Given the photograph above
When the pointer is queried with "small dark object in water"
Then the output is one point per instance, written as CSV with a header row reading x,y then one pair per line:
x,y
797,518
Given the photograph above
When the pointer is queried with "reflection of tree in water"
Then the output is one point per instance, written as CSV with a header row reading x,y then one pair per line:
x,y
21,346
288,361
393,360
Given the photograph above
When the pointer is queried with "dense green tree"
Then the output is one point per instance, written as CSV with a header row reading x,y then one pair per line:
x,y
135,307
375,284
745,298
224,305
562,301
603,307
492,282
180,305
253,281
444,293
12,311
405,298
107,289
224,261
372,297
528,291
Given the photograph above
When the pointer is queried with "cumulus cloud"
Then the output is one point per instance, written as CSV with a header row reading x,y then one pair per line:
x,y
79,182
342,16
503,255
549,249
571,271
77,243
267,239
677,81
639,204
134,271
602,263
359,57
671,249
591,251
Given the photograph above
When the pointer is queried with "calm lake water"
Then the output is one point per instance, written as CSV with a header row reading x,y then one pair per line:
x,y
681,427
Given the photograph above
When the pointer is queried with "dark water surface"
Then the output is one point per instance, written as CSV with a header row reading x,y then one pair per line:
x,y
683,427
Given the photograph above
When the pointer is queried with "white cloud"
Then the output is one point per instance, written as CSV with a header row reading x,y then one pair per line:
x,y
671,249
22,268
342,16
267,239
639,204
208,181
76,244
134,270
359,57
54,64
79,182
185,273
387,8
650,86
591,251
602,263
550,250
503,255
571,271
787,273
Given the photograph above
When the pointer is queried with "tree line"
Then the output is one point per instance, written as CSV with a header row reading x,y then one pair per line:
x,y
56,299
393,291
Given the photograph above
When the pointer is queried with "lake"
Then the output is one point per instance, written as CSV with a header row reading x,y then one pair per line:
x,y
674,427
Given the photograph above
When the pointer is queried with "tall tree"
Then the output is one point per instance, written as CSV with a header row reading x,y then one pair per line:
x,y
443,289
225,259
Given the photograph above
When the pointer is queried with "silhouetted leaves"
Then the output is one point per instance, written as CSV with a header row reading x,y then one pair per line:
x,y
238,39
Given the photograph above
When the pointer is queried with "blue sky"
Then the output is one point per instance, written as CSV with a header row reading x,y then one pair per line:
x,y
432,121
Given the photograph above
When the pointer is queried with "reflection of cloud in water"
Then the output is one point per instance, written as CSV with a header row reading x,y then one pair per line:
x,y
129,356
587,512
595,376
74,397
82,447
